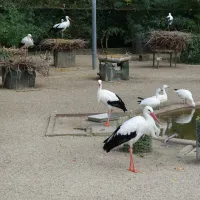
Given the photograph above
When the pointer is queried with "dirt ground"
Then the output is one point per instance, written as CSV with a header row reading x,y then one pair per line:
x,y
36,167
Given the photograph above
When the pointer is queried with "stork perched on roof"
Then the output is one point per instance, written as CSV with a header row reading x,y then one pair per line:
x,y
169,19
27,42
60,27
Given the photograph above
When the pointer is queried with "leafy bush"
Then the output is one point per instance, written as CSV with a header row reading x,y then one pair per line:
x,y
16,24
192,54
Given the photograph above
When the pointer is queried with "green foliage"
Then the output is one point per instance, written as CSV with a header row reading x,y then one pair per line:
x,y
198,118
191,54
143,145
16,24
114,23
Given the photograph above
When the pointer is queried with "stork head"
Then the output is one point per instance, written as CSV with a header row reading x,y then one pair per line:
x,y
170,14
158,91
165,86
30,36
67,18
62,20
149,111
100,82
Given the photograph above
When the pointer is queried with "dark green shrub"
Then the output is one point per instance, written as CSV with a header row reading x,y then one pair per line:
x,y
143,145
192,54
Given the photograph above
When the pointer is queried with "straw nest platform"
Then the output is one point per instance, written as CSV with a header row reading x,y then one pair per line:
x,y
62,44
14,59
169,40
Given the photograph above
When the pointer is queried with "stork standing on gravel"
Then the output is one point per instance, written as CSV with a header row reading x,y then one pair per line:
x,y
60,27
27,42
110,100
131,131
186,96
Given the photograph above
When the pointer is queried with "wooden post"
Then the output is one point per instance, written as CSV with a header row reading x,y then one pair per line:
x,y
153,59
158,60
175,59
198,138
170,60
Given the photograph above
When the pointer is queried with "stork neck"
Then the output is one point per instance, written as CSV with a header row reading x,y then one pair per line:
x,y
147,116
100,87
164,91
157,93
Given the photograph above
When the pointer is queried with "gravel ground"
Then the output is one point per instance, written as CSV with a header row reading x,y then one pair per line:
x,y
36,167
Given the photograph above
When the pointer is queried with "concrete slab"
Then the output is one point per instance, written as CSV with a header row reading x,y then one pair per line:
x,y
76,125
101,130
104,116
185,150
192,153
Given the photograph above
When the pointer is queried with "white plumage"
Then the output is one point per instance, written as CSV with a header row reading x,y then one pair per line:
x,y
185,118
169,19
151,101
186,96
60,27
163,97
27,41
131,131
110,100
62,20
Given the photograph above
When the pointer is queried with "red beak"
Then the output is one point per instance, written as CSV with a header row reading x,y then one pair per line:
x,y
154,116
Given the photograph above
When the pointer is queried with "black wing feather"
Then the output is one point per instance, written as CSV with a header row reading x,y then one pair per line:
x,y
117,139
118,104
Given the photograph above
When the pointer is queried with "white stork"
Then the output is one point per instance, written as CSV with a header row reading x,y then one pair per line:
x,y
62,20
163,97
131,131
61,26
169,19
153,101
110,100
27,42
186,96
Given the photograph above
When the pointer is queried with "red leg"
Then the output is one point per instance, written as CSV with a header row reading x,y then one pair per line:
x,y
132,167
108,121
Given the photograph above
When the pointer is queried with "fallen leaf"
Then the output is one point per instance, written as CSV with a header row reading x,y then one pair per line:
x,y
179,168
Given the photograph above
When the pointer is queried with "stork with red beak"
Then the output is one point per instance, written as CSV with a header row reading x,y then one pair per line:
x,y
110,100
131,131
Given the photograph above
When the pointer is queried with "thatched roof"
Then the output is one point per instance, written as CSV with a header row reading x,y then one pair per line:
x,y
62,44
30,63
168,40
8,52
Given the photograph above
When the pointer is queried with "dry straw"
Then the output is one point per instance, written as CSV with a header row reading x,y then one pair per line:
x,y
62,44
29,63
169,40
12,51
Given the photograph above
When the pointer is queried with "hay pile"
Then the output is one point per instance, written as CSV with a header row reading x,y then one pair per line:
x,y
62,44
9,52
29,63
168,40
